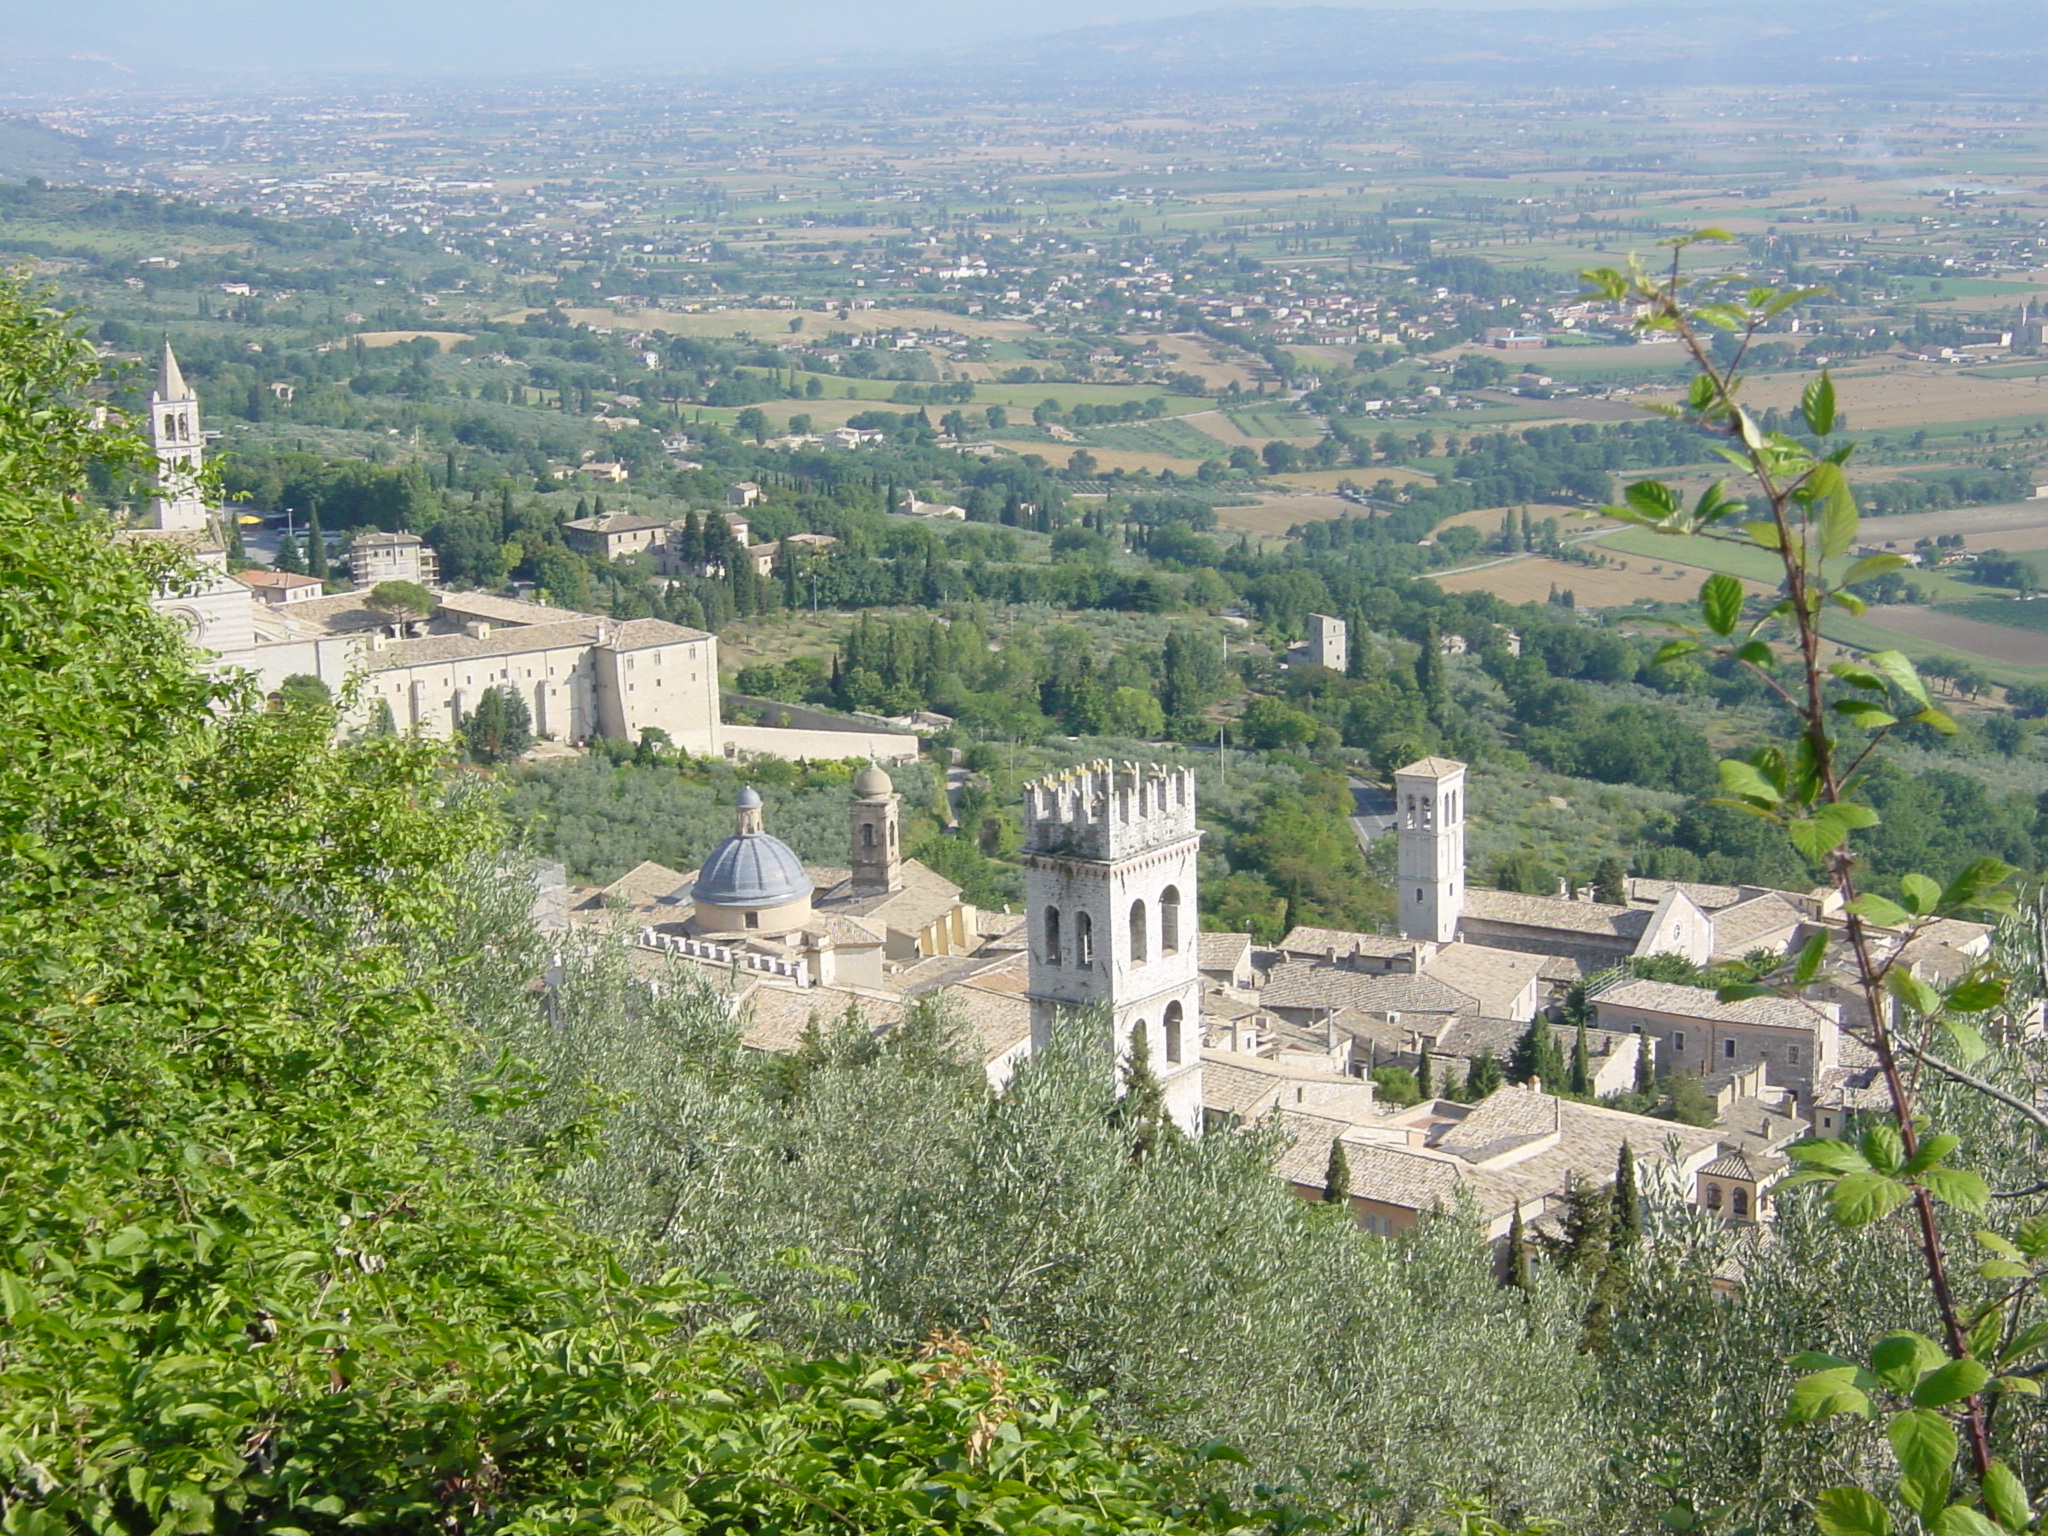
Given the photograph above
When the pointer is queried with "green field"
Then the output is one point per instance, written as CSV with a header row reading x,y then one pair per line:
x,y
1999,610
1761,565
1169,437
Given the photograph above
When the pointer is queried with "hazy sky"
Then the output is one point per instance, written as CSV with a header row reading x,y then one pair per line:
x,y
292,35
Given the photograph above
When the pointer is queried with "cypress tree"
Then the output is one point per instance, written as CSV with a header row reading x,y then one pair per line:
x,y
1610,882
1337,1175
1525,1060
1424,1075
1626,1222
1142,1109
1581,1078
316,547
1485,1078
1646,1064
1518,1252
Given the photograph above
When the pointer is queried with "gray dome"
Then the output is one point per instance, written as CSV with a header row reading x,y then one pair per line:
x,y
752,869
872,783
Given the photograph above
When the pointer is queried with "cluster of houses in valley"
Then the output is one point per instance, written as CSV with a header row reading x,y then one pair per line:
x,y
1236,1032
1240,1033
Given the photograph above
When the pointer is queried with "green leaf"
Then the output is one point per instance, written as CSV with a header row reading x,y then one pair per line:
x,y
1672,650
1824,1394
1851,1512
1820,1152
1900,673
1740,778
1926,1446
1918,893
1653,500
1951,1384
1865,715
1979,993
2031,1238
1900,1359
1932,1151
2006,1497
1884,1149
1871,565
1721,602
1817,405
1765,534
1970,887
1958,1187
1876,909
1828,828
1965,1040
1811,956
1838,518
1861,1198
1913,992
1961,1520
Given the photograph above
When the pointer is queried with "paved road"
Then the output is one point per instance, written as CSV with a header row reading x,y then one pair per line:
x,y
1372,812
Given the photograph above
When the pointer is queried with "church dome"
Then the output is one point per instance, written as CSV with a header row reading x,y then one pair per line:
x,y
751,869
872,783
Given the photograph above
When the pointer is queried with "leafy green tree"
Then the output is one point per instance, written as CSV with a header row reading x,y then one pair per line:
x,y
1934,1395
258,1272
401,600
1580,1079
500,728
302,691
1610,882
1142,1109
1484,1077
1337,1175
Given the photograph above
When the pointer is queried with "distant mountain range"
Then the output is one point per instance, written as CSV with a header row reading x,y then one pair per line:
x,y
1748,42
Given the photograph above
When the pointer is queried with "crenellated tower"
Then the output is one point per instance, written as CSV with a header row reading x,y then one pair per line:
x,y
1110,889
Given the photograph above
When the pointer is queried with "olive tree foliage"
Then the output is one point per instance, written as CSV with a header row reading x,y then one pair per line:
x,y
1932,1413
254,1276
870,1188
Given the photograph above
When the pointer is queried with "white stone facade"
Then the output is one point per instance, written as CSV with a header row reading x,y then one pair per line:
x,y
1429,799
1110,883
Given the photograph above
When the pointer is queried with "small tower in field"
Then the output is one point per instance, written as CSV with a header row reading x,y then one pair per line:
x,y
1429,798
1109,887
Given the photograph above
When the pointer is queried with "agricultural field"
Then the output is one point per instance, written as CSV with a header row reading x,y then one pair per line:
x,y
1533,578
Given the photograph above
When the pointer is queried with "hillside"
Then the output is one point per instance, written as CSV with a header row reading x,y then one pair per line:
x,y
1744,43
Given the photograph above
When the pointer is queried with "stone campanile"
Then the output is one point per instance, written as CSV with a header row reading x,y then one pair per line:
x,y
1429,798
180,451
874,851
1110,892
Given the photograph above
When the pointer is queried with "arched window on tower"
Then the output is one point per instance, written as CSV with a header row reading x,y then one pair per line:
x,y
1173,1023
1169,920
1740,1201
1052,936
1084,941
867,835
1713,1197
1138,932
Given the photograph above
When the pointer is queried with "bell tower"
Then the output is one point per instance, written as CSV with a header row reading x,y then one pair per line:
x,y
1109,889
874,853
1429,799
180,451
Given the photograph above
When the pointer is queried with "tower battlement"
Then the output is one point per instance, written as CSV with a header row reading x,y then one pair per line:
x,y
1107,810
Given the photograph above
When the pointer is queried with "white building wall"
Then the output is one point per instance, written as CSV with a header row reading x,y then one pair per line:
x,y
1430,804
1099,846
